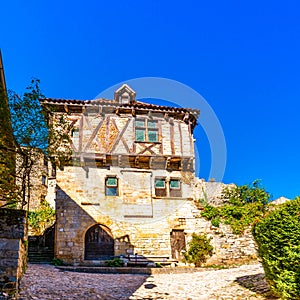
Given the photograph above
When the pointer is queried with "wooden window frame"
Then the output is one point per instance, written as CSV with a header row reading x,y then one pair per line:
x,y
175,191
160,191
111,187
167,190
147,129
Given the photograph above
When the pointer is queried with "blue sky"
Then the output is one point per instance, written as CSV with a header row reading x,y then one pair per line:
x,y
241,56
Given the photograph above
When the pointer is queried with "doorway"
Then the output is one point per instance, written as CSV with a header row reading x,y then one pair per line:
x,y
99,243
177,244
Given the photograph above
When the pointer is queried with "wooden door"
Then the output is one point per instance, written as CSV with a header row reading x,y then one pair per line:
x,y
99,243
177,244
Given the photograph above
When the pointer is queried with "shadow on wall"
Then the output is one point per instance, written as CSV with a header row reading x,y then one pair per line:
x,y
80,239
41,248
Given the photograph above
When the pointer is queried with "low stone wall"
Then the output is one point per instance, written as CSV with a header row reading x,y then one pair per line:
x,y
13,249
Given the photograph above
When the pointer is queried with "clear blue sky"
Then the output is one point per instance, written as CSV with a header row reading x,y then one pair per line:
x,y
243,57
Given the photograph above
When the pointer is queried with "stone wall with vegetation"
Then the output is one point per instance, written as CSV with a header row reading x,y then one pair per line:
x,y
229,248
13,249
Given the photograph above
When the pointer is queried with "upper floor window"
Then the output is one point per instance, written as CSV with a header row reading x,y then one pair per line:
x,y
75,132
146,130
111,186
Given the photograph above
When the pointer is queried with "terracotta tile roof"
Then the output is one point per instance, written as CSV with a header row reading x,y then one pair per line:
x,y
106,102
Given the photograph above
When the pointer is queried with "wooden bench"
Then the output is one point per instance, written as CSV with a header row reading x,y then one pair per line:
x,y
144,260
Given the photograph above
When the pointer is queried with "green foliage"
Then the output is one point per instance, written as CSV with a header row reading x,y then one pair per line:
x,y
204,200
9,194
116,262
216,221
57,262
210,212
199,249
245,194
28,122
277,236
33,136
40,219
245,204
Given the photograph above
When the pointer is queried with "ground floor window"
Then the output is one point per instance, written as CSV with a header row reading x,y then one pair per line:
x,y
111,186
164,187
175,188
160,187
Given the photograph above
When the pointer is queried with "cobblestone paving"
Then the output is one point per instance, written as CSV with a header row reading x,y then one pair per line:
x,y
46,282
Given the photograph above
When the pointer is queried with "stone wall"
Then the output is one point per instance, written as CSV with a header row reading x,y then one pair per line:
x,y
229,248
13,249
146,236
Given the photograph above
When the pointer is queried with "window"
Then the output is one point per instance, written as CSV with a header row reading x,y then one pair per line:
x,y
124,98
167,188
75,132
175,188
160,187
182,221
175,184
111,186
44,180
146,130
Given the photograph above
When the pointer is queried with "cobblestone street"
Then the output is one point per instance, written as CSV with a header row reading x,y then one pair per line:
x,y
46,282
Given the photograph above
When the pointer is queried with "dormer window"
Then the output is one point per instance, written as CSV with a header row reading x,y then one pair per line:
x,y
124,98
125,94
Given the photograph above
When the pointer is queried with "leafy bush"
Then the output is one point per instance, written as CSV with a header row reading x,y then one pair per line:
x,y
116,262
245,204
199,249
244,194
40,219
278,238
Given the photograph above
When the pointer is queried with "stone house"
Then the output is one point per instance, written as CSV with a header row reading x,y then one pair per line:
x,y
126,187
130,186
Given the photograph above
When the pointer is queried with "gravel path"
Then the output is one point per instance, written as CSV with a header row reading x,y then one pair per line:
x,y
46,282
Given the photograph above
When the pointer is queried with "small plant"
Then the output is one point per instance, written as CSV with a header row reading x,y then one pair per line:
x,y
216,221
116,262
57,262
158,265
199,249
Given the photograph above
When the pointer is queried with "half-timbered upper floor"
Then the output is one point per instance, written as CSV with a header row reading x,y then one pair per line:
x,y
125,132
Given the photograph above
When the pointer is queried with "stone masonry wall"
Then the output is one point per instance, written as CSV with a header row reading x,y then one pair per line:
x,y
229,248
13,249
145,236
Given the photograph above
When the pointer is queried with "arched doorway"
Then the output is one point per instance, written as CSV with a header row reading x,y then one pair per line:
x,y
99,243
